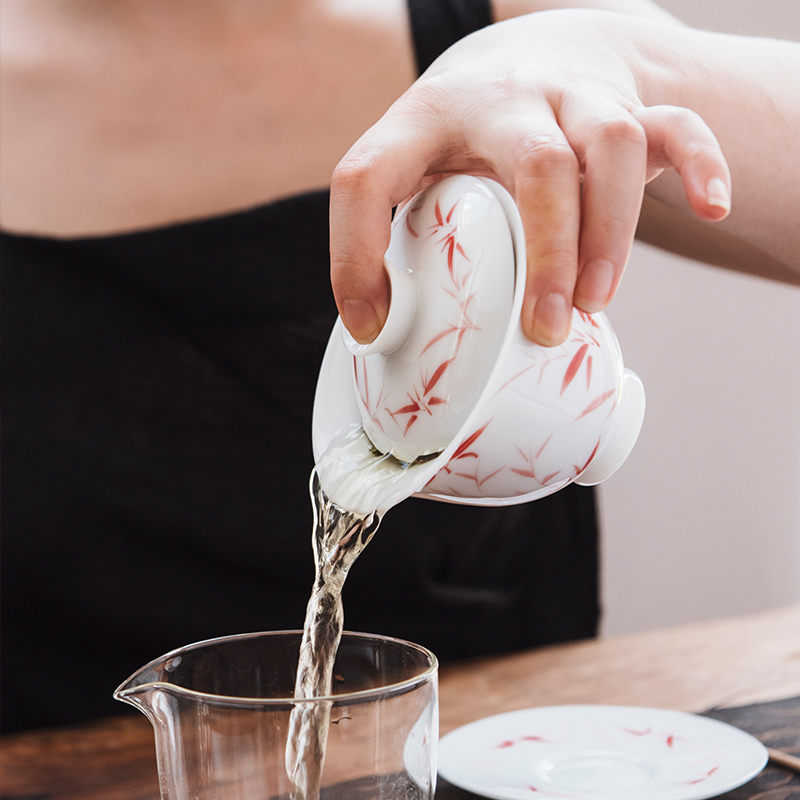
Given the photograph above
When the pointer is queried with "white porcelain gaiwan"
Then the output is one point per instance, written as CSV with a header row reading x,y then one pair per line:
x,y
453,387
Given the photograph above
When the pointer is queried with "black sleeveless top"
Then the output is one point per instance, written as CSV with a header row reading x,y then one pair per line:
x,y
156,472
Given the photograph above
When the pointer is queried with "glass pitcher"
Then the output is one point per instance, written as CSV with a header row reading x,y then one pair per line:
x,y
221,711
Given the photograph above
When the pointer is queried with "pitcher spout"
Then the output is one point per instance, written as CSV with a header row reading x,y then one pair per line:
x,y
138,690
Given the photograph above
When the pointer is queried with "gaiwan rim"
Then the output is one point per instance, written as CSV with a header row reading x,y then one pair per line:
x,y
335,349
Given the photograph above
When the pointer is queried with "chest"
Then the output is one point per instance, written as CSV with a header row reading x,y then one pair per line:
x,y
140,138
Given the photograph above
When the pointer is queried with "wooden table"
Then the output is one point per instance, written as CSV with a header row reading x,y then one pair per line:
x,y
691,668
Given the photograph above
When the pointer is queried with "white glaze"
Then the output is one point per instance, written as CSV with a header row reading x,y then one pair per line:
x,y
512,421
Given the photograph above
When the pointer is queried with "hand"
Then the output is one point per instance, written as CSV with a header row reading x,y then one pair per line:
x,y
552,105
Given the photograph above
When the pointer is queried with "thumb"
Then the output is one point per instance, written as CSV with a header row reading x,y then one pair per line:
x,y
384,167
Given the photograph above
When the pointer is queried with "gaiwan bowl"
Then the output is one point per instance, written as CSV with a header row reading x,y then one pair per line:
x,y
452,389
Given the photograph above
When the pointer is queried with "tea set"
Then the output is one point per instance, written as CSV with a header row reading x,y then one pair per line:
x,y
451,402
452,386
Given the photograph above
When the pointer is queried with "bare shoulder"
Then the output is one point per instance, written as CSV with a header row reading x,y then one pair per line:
x,y
144,113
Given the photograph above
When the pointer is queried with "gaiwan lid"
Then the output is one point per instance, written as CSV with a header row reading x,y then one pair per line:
x,y
452,270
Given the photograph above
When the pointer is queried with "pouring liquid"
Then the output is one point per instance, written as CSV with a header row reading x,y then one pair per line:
x,y
366,478
339,538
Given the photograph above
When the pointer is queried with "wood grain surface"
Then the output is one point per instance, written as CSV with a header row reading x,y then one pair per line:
x,y
692,668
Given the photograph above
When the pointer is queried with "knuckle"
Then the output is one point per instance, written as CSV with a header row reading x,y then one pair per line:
x,y
695,148
538,152
345,271
427,96
685,116
354,173
689,125
687,130
561,261
621,129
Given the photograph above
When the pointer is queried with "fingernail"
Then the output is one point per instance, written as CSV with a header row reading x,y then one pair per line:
x,y
361,319
551,320
594,286
717,194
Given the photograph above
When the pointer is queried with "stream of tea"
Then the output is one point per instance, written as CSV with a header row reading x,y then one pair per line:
x,y
339,538
364,476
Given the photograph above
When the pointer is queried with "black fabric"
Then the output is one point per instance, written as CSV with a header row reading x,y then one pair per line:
x,y
436,26
157,392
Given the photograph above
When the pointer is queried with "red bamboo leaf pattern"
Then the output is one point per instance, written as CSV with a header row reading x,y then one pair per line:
x,y
468,454
512,742
409,409
589,371
700,779
544,444
526,473
589,460
439,337
438,374
450,212
467,476
541,372
596,403
490,475
514,377
582,336
366,384
450,247
438,212
549,477
469,440
574,366
461,250
435,401
410,422
410,227
462,332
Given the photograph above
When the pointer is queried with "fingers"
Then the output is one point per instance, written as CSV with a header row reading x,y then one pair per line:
x,y
621,150
680,138
615,159
578,237
546,185
382,168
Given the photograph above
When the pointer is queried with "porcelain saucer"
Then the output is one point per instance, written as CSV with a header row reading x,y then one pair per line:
x,y
599,753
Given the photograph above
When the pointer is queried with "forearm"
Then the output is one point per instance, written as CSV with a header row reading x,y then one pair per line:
x,y
577,112
506,9
748,92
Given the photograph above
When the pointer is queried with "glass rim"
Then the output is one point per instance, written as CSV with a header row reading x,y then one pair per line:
x,y
126,692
